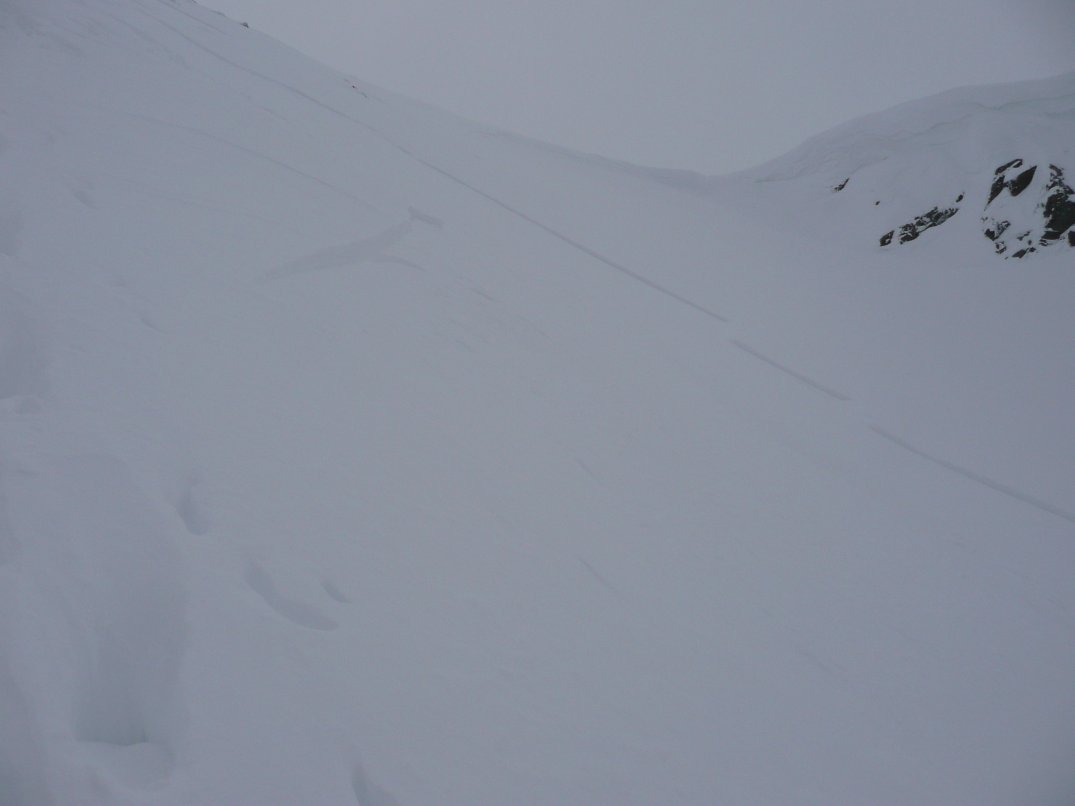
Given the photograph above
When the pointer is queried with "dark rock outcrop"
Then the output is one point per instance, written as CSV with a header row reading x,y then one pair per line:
x,y
1042,218
1025,211
912,229
1059,206
1015,185
1022,214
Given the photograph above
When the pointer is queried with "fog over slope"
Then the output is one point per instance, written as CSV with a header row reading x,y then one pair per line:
x,y
352,453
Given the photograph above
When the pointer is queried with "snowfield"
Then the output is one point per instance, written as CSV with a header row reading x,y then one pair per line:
x,y
352,453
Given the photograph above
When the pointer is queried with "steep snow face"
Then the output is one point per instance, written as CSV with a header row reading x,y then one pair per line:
x,y
350,453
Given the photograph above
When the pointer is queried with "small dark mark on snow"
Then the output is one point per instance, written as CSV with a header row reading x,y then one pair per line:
x,y
595,573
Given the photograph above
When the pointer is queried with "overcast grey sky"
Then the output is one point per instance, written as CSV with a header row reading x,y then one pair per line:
x,y
711,85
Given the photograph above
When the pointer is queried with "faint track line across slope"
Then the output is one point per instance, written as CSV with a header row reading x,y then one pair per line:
x,y
563,238
607,261
1011,492
789,371
1004,489
593,253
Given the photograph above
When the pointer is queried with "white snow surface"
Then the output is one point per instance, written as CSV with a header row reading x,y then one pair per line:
x,y
351,453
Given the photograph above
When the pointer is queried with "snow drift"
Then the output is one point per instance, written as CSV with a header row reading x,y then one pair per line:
x,y
351,453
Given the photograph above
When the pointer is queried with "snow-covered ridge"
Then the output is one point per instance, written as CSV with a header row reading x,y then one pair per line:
x,y
969,126
924,162
349,454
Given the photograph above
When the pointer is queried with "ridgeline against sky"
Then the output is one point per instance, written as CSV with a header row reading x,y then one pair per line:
x,y
708,85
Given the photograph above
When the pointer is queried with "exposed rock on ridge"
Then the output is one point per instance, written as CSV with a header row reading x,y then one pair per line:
x,y
912,229
1020,224
1017,222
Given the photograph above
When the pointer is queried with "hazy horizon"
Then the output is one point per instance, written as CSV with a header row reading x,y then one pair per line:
x,y
713,86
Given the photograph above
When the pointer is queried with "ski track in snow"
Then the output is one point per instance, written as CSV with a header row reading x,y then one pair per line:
x,y
593,253
806,379
371,249
1011,492
596,574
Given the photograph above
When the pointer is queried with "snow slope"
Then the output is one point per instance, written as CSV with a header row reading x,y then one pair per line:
x,y
350,453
